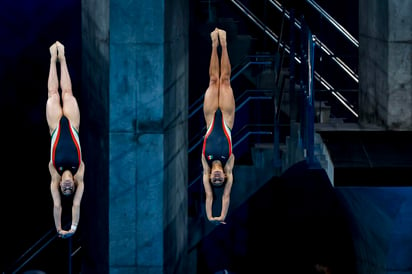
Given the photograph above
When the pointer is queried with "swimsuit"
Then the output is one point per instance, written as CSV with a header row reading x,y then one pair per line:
x,y
217,143
65,152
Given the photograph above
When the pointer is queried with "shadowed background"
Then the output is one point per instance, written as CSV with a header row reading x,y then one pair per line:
x,y
28,28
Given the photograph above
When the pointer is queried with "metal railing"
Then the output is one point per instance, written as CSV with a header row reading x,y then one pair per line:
x,y
39,246
325,83
334,23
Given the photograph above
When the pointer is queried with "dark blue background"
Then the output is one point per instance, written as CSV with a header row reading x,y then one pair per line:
x,y
27,29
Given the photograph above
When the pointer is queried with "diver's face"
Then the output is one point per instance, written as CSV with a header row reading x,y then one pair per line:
x,y
67,187
217,177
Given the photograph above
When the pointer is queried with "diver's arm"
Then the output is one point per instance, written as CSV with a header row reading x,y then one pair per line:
x,y
208,189
226,197
228,188
54,189
77,197
76,202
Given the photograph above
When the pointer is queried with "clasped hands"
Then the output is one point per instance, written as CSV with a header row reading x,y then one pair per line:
x,y
66,234
217,220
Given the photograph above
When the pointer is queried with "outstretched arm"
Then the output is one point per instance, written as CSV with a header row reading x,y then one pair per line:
x,y
76,203
78,197
76,206
75,212
208,189
54,189
228,189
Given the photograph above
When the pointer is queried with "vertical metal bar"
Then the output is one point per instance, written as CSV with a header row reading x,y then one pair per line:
x,y
310,100
276,129
276,138
292,93
303,83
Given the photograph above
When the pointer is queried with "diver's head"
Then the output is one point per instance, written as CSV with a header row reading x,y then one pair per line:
x,y
67,183
217,175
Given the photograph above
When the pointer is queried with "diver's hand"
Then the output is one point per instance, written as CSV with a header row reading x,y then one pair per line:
x,y
217,220
66,234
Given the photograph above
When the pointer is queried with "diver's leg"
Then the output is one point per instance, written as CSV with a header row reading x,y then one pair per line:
x,y
53,107
211,100
226,98
70,105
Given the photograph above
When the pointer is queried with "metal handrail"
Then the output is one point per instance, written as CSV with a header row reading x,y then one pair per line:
x,y
319,43
37,251
322,46
248,64
249,133
260,24
337,60
334,23
336,93
38,247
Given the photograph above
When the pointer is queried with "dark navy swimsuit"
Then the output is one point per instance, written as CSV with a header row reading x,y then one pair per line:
x,y
65,149
217,143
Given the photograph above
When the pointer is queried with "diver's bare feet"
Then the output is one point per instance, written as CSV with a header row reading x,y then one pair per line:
x,y
214,35
53,52
60,50
222,37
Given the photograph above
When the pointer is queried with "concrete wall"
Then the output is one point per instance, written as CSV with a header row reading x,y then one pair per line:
x,y
95,133
135,60
175,128
385,63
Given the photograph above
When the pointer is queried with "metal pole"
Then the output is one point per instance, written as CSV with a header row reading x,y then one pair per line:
x,y
311,99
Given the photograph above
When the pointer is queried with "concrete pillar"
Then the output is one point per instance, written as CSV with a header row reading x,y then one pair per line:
x,y
385,63
134,116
